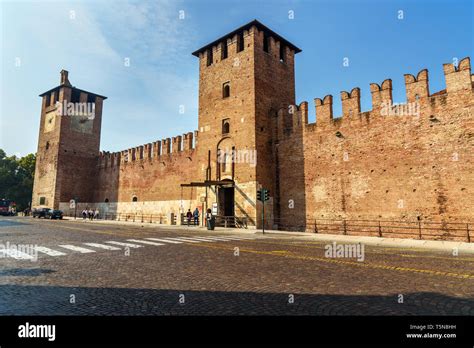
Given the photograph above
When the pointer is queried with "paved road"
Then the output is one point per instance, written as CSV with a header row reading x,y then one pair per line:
x,y
85,268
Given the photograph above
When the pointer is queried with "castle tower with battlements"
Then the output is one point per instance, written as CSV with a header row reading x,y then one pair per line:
x,y
68,145
410,162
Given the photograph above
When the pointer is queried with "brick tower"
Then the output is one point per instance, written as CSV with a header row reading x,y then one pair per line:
x,y
68,145
245,77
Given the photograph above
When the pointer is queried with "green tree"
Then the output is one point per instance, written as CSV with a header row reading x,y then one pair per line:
x,y
16,178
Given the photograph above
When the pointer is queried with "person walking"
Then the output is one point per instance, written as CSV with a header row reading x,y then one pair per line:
x,y
189,215
91,214
209,219
96,214
196,216
84,214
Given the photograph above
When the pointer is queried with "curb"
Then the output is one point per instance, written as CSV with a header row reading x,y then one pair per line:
x,y
413,244
409,244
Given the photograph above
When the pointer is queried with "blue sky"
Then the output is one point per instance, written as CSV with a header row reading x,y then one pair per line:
x,y
144,99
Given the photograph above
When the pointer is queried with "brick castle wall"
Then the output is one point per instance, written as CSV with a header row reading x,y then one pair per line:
x,y
370,165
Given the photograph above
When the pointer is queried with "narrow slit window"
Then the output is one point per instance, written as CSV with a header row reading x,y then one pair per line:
x,y
282,52
266,38
240,42
209,57
226,90
224,50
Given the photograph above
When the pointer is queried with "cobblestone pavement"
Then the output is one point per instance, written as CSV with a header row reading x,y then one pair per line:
x,y
84,268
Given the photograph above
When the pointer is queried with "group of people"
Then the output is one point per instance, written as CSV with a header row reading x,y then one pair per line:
x,y
194,215
90,214
210,219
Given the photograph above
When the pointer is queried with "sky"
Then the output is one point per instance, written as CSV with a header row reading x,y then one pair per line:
x,y
345,43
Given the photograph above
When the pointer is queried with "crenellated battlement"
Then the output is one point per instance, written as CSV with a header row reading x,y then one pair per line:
x,y
162,150
458,80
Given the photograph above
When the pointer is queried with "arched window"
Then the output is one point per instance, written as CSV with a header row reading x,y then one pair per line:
x,y
226,90
135,199
106,200
225,126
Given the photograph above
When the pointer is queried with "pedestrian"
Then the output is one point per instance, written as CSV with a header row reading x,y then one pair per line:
x,y
208,219
189,215
91,214
96,214
84,214
196,216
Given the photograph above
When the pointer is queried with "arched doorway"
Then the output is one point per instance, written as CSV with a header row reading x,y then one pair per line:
x,y
225,173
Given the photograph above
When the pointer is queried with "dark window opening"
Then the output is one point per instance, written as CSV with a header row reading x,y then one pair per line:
x,y
224,50
42,200
240,42
56,97
226,90
48,100
91,98
282,52
266,40
106,200
47,145
209,56
134,199
225,126
75,96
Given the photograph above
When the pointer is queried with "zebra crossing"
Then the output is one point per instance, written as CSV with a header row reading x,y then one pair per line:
x,y
111,245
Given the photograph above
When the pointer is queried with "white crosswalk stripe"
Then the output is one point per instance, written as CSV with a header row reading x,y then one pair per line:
x,y
102,246
165,241
16,254
76,248
200,239
184,240
130,245
48,251
236,238
144,242
215,238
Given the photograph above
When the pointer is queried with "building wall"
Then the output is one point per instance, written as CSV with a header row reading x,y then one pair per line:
x,y
66,165
411,162
47,155
366,165
152,173
238,69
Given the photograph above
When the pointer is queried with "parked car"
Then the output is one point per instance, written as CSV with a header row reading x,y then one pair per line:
x,y
54,214
39,212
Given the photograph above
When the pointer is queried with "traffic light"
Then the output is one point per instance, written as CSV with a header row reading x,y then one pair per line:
x,y
259,195
266,195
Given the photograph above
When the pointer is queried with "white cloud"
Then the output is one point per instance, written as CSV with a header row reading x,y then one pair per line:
x,y
92,46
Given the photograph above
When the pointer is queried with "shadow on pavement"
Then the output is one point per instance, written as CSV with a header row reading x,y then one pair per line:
x,y
55,300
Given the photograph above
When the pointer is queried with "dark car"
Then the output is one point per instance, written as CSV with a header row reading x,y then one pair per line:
x,y
39,212
54,214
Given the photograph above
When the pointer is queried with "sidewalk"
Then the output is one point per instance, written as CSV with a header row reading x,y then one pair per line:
x,y
410,244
